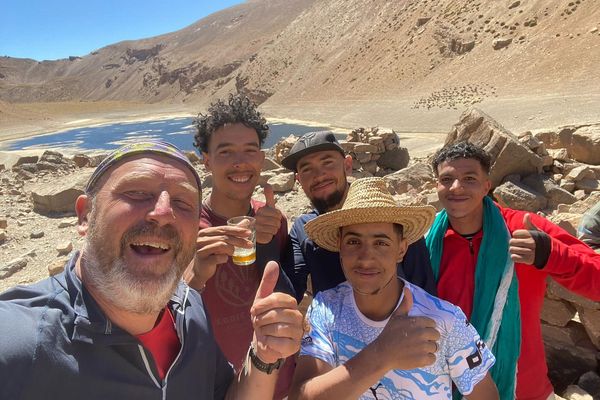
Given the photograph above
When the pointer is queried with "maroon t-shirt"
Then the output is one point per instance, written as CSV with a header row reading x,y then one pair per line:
x,y
229,294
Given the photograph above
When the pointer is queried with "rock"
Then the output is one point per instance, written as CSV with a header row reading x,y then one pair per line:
x,y
591,322
557,312
64,248
583,205
588,185
574,392
364,148
36,234
579,173
579,194
559,154
582,142
498,44
33,159
3,223
569,222
422,21
56,267
81,160
270,164
560,292
283,147
282,182
415,176
520,197
12,267
67,223
569,352
545,185
58,198
590,382
514,4
394,159
568,186
2,236
508,155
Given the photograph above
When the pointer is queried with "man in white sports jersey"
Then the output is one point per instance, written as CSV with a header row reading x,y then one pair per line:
x,y
376,336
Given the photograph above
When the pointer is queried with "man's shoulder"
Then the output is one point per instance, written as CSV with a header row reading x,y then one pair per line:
x,y
334,295
23,309
302,219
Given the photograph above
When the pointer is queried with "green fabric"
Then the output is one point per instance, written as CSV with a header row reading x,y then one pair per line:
x,y
493,263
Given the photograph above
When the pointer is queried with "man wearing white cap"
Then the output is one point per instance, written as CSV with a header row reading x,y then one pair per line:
x,y
377,336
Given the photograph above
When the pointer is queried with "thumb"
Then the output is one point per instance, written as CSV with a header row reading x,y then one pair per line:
x,y
268,281
407,303
528,224
269,195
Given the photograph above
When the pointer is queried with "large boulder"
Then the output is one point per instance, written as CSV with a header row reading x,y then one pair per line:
x,y
520,197
582,142
58,197
394,159
417,176
509,156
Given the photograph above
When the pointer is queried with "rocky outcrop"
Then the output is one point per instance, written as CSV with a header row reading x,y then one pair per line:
x,y
52,198
581,142
509,156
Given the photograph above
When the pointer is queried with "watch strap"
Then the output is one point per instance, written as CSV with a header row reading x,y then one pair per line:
x,y
262,366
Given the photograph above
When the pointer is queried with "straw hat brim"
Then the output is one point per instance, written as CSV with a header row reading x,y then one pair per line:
x,y
325,229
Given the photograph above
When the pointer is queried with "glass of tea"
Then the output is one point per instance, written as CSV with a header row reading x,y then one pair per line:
x,y
243,255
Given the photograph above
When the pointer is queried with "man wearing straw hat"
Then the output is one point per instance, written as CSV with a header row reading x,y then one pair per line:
x,y
493,262
377,336
321,168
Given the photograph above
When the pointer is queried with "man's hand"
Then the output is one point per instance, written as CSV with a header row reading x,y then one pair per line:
x,y
268,218
276,319
214,246
407,342
522,244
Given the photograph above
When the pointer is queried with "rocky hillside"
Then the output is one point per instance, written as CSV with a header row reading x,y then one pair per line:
x,y
445,54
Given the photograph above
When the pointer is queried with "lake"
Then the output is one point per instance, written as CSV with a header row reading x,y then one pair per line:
x,y
179,131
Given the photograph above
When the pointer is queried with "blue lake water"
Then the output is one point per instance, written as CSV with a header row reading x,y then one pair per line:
x,y
179,131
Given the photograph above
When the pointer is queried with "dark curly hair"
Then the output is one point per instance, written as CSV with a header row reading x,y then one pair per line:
x,y
461,150
238,109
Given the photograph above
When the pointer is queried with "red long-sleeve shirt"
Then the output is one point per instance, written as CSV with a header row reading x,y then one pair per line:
x,y
571,263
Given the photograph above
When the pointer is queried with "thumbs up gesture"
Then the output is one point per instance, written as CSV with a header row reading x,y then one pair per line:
x,y
522,245
268,217
276,319
407,342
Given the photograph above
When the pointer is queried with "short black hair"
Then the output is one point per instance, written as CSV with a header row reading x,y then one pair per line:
x,y
462,150
399,229
238,109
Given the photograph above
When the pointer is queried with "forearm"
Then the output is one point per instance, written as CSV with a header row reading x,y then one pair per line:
x,y
251,384
346,381
576,267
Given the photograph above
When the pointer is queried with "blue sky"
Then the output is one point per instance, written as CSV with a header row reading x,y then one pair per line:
x,y
49,30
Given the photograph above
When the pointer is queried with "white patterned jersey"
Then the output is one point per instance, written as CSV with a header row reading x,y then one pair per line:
x,y
339,331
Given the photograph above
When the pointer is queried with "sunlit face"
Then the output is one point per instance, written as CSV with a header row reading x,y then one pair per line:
x,y
235,160
140,232
322,176
369,255
462,185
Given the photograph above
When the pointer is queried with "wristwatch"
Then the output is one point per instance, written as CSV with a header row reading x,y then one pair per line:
x,y
261,365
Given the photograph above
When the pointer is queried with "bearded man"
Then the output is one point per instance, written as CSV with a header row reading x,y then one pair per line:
x,y
119,322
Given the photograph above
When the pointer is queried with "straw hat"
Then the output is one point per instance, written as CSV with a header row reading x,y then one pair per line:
x,y
369,201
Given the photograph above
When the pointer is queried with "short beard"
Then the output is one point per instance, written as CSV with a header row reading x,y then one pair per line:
x,y
112,280
326,204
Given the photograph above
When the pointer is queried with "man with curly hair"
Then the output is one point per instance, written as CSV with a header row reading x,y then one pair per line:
x,y
230,137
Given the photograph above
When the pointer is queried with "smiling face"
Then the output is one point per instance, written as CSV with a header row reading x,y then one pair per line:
x,y
235,160
369,254
322,176
140,229
462,185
